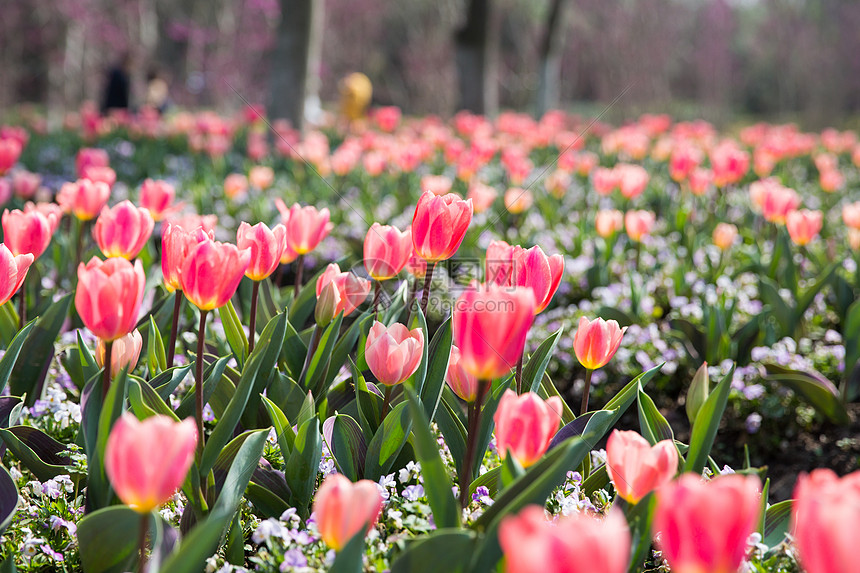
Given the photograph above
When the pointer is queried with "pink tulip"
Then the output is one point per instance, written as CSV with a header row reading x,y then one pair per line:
x,y
108,296
684,160
98,174
25,183
306,226
342,509
596,342
499,262
777,202
125,352
261,177
10,151
90,156
574,544
525,425
439,225
461,382
704,527
52,211
235,184
436,184
700,181
211,272
5,191
13,269
482,196
157,196
175,245
146,462
803,225
193,220
352,289
123,230
29,231
637,468
84,198
386,251
490,326
730,163
393,353
604,180
518,200
542,274
725,235
851,215
632,179
266,245
825,521
638,224
608,222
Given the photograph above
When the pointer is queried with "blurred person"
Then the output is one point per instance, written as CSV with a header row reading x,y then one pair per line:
x,y
157,91
118,85
356,92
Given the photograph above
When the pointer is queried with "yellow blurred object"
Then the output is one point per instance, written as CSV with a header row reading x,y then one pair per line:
x,y
355,94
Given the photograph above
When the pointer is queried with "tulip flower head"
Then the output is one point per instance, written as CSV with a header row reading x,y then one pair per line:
x,y
123,230
125,352
342,509
393,353
109,295
725,235
261,177
576,543
235,184
176,243
25,183
482,196
490,325
306,226
608,222
525,425
352,289
638,224
825,517
439,225
705,526
266,246
596,341
386,251
535,270
84,198
803,225
637,468
13,270
459,380
211,272
28,231
144,481
10,151
518,200
157,196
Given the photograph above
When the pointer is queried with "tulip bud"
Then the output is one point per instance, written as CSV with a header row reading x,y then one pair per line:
x,y
637,468
13,270
125,352
698,392
596,342
525,425
342,509
394,353
328,302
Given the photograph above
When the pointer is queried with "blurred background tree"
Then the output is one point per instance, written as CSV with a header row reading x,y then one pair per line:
x,y
778,59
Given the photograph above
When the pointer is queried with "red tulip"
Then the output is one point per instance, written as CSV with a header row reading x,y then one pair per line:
x,y
211,272
461,382
146,462
306,226
108,296
803,225
439,225
825,520
490,326
29,231
84,198
393,353
704,527
352,289
123,230
596,342
342,509
636,467
266,247
525,425
175,245
13,269
157,196
386,251
573,544
125,352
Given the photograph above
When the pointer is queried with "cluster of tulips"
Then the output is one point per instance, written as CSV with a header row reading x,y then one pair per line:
x,y
699,524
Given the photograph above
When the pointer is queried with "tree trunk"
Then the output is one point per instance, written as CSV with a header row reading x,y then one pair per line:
x,y
476,59
549,87
289,74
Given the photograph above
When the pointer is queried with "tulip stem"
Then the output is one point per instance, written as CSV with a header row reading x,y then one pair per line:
x,y
79,247
377,290
519,375
425,296
144,525
252,322
300,265
198,387
107,367
410,299
174,329
22,304
474,422
586,390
